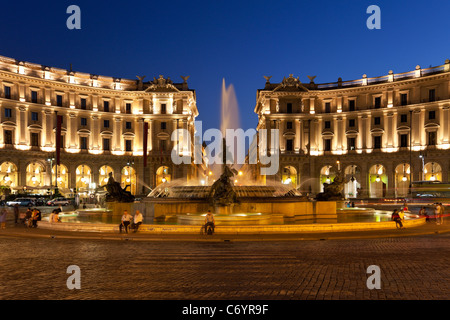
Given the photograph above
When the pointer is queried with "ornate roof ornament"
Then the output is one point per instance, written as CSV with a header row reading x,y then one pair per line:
x,y
290,84
161,84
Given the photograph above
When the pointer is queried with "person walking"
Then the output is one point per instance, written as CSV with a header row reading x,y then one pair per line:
x,y
423,213
16,213
126,219
3,214
398,221
209,221
137,221
441,214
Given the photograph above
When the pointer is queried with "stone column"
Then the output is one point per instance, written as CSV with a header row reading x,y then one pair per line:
x,y
21,119
298,136
118,134
72,130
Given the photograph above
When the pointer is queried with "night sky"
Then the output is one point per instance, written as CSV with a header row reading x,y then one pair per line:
x,y
240,41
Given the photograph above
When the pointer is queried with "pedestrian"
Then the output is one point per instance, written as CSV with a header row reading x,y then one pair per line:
x,y
37,216
401,214
437,210
56,218
16,213
423,213
137,221
126,219
441,214
398,221
3,214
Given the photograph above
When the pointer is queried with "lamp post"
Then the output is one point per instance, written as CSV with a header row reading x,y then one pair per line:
x,y
410,151
50,159
422,156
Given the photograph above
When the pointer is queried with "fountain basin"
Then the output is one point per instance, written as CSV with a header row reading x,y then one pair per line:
x,y
234,219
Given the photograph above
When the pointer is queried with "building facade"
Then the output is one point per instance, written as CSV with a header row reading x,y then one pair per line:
x,y
102,130
383,132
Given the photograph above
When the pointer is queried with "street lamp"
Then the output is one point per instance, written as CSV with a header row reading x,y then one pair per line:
x,y
50,159
422,156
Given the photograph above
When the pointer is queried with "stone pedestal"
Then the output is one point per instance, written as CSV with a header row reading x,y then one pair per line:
x,y
325,211
117,208
223,210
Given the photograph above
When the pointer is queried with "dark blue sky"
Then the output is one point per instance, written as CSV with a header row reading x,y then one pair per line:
x,y
237,40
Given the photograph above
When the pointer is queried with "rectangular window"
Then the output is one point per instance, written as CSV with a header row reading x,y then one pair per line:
x,y
377,142
84,121
327,107
128,145
351,143
7,92
377,102
432,95
106,106
327,124
8,113
377,120
327,145
127,125
34,116
128,108
106,145
59,100
403,99
163,126
289,125
7,136
289,108
403,118
431,115
163,109
351,105
431,138
351,123
34,139
289,145
83,143
83,103
106,123
403,140
34,96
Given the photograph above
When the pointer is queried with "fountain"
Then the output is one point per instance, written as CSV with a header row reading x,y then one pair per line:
x,y
247,204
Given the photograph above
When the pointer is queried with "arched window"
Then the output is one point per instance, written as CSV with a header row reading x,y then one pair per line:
x,y
402,179
327,175
60,179
289,176
128,179
35,175
8,174
83,178
433,171
378,181
353,181
104,174
162,175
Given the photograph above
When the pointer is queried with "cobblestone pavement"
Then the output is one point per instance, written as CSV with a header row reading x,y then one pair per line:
x,y
411,268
